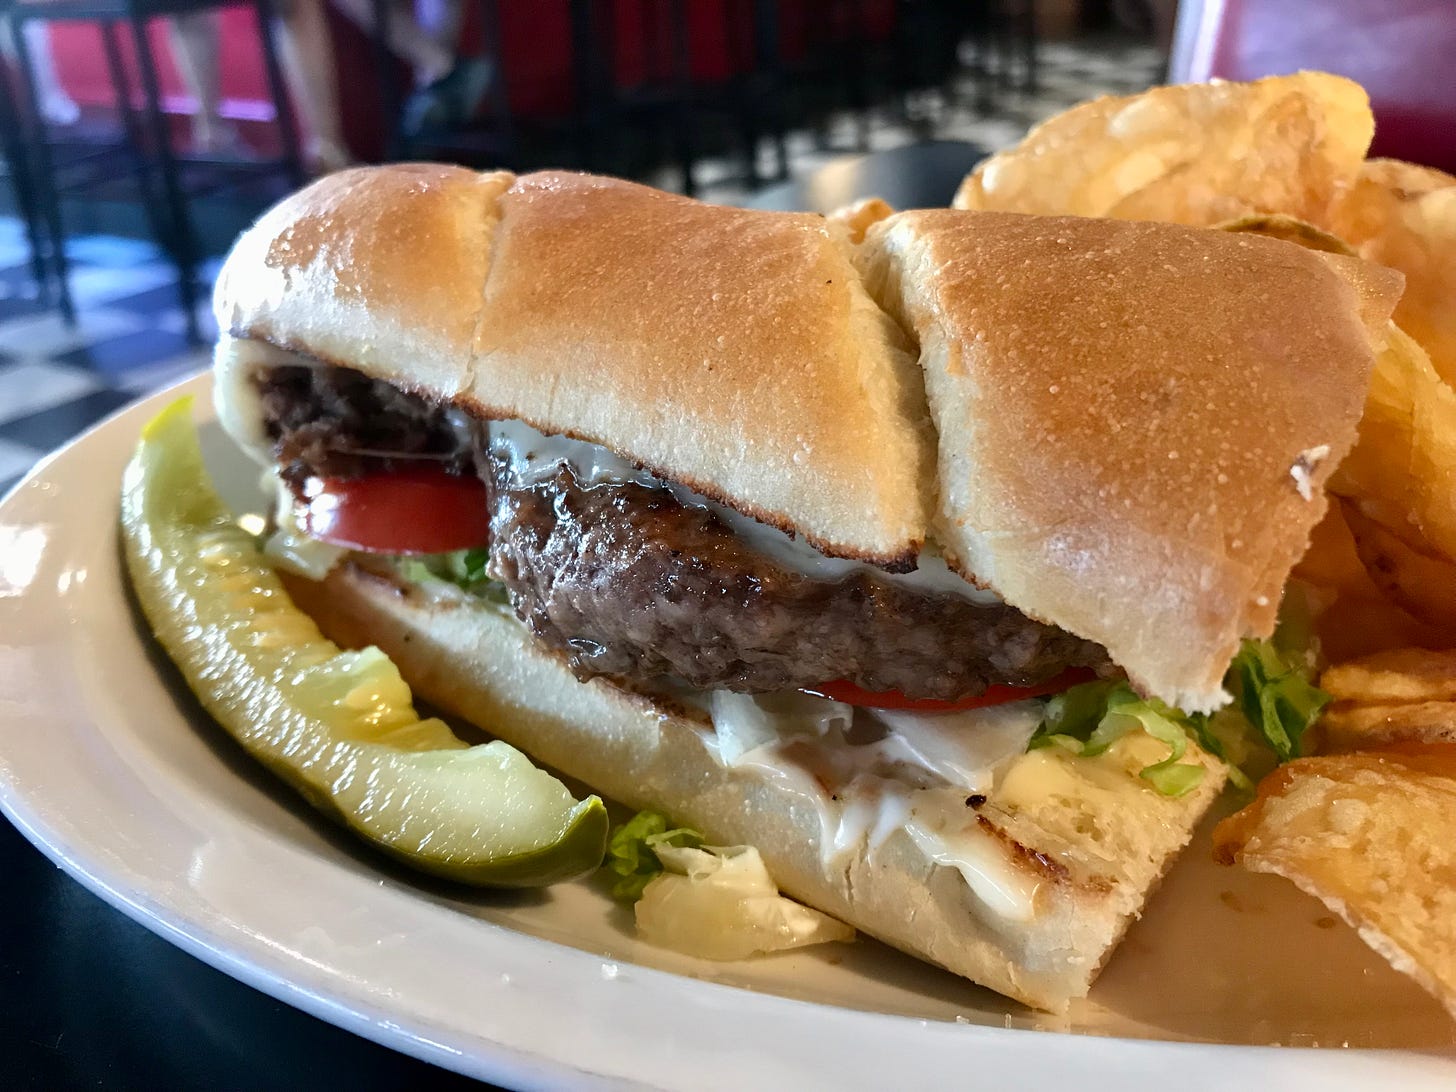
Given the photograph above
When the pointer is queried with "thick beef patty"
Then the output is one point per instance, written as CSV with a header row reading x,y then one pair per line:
x,y
338,423
630,583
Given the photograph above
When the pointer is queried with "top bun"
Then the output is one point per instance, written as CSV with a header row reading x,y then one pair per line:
x,y
735,352
1136,420
379,269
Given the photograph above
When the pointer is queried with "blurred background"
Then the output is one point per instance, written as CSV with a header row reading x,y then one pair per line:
x,y
139,136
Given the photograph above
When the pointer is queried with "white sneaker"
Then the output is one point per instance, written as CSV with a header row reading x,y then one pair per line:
x,y
58,108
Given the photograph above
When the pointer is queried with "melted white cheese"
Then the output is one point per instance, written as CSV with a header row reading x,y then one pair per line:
x,y
868,774
289,546
235,395
982,862
871,809
967,749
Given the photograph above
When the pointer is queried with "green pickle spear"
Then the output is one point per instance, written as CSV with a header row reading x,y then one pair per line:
x,y
338,726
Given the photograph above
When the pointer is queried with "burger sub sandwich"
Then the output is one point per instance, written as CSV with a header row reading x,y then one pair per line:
x,y
786,526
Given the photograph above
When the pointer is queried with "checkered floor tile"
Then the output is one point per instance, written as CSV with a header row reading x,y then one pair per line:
x,y
55,381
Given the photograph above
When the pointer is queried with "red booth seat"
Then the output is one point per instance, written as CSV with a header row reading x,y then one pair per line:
x,y
1403,51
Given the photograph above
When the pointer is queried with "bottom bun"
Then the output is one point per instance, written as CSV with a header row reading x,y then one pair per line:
x,y
1081,841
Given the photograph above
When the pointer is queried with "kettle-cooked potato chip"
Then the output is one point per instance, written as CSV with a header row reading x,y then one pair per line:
x,y
1193,154
1399,676
1276,225
1420,581
1402,472
1373,836
1352,616
858,218
1399,696
1404,216
1359,726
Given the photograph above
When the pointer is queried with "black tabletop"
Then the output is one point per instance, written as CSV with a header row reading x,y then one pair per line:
x,y
917,176
90,999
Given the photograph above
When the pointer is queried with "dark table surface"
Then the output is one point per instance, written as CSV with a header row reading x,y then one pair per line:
x,y
90,999
918,176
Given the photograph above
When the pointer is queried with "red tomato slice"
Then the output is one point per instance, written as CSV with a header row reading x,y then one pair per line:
x,y
846,691
401,512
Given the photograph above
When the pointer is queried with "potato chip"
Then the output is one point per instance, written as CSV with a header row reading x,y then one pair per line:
x,y
1402,472
1374,838
1353,726
859,217
1192,154
1276,225
1399,696
1352,617
1421,582
1404,216
1395,676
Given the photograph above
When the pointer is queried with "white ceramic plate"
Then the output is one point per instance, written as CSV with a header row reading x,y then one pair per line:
x,y
108,767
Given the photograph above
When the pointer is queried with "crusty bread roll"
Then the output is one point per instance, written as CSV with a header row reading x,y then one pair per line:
x,y
1083,840
1134,424
1136,420
679,334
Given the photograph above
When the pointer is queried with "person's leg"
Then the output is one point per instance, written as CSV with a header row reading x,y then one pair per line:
x,y
308,66
195,40
442,20
449,90
428,57
54,104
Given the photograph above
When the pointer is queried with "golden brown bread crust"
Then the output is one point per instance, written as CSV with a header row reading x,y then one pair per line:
x,y
378,269
1090,861
1130,449
735,352
732,350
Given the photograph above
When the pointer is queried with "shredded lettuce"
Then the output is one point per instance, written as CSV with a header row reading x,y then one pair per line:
x,y
1275,702
1273,689
1088,719
466,569
631,856
1226,737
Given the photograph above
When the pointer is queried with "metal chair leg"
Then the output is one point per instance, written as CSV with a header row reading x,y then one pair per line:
x,y
282,104
586,101
861,101
131,126
768,60
45,176
390,98
183,239
1029,46
682,107
22,185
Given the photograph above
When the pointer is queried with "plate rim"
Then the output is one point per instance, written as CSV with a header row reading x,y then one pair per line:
x,y
510,1064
